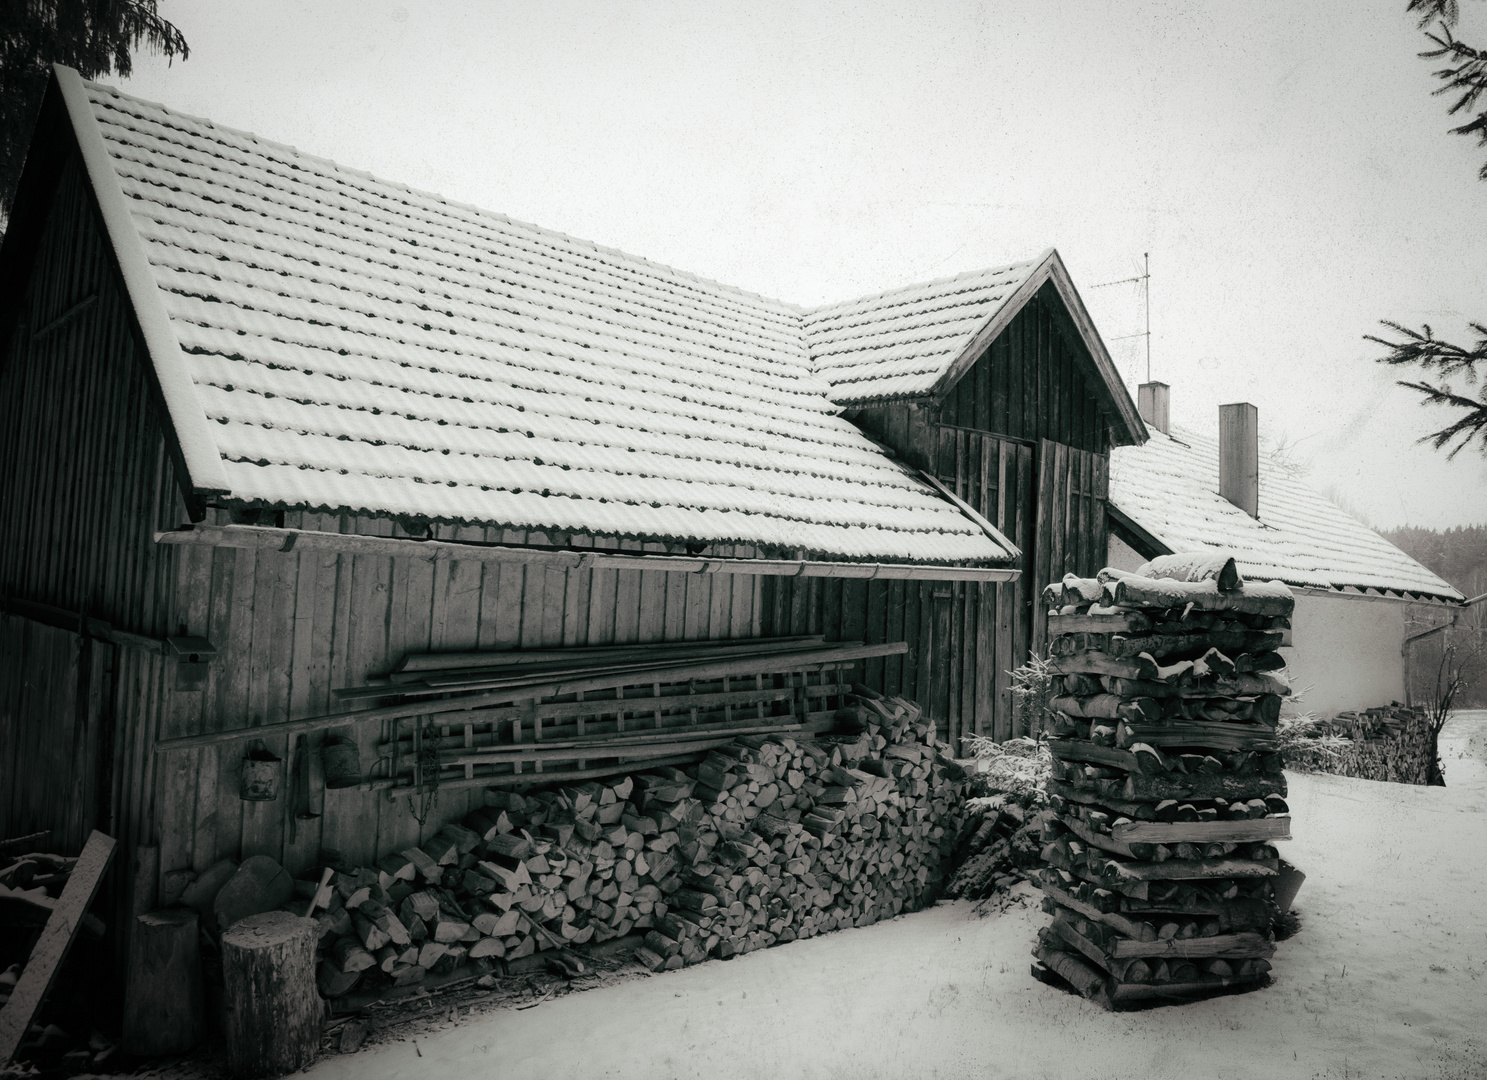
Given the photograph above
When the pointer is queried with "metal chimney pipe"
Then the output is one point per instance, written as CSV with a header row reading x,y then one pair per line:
x,y
1239,456
1152,401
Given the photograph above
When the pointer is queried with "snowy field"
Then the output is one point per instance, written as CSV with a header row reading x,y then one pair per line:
x,y
1385,979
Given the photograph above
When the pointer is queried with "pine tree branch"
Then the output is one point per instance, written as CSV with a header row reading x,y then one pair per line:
x,y
1465,73
1446,11
94,36
1431,353
1472,425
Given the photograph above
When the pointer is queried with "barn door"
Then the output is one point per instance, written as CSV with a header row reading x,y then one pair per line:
x,y
1073,488
54,772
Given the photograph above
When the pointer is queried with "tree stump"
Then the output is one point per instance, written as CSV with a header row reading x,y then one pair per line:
x,y
162,1008
274,1014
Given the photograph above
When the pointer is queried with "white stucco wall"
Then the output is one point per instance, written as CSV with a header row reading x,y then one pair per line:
x,y
1347,651
1121,555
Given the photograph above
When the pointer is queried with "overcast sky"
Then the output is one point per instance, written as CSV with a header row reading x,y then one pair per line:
x,y
1284,164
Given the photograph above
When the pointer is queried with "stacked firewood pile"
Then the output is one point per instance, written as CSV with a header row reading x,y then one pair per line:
x,y
1167,793
1376,724
770,838
999,848
1394,743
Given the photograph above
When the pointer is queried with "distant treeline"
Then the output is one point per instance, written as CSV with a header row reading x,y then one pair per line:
x,y
1460,556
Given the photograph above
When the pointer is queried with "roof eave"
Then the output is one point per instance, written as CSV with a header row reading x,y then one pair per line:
x,y
1142,540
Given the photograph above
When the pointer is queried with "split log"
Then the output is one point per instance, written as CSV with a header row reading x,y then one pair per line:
x,y
1208,735
1098,663
1141,811
259,884
1079,750
1255,597
1194,566
332,981
1203,832
1182,869
1132,928
1238,946
273,1012
1172,786
1078,973
163,1002
202,892
1133,622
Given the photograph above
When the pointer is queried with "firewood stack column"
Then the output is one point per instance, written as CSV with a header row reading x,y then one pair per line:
x,y
1167,793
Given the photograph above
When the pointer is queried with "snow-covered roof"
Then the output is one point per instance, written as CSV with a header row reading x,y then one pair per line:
x,y
325,339
918,341
1169,487
899,343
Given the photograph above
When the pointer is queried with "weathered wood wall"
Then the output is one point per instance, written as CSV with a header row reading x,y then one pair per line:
x,y
1036,381
55,741
85,476
1073,493
1023,437
291,627
960,635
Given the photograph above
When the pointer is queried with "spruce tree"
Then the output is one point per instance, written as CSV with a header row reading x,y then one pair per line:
x,y
94,36
1463,77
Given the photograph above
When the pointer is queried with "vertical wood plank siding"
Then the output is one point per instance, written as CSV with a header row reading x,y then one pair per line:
x,y
84,481
83,473
298,624
1024,438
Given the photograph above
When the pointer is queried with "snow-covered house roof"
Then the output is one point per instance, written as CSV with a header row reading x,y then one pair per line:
x,y
328,340
899,343
1168,488
917,341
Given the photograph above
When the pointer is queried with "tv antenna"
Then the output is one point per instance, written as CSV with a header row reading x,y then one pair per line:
x,y
1145,279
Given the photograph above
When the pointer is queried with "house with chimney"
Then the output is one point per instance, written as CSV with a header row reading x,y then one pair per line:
x,y
1357,595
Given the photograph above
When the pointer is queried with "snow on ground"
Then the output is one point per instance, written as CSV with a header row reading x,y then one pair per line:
x,y
1385,979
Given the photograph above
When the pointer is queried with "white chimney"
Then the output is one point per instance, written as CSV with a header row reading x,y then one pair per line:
x,y
1239,456
1152,399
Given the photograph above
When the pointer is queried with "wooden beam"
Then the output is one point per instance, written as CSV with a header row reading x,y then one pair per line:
x,y
56,939
528,778
574,679
1144,543
812,660
79,623
415,662
1203,832
1013,551
615,740
260,537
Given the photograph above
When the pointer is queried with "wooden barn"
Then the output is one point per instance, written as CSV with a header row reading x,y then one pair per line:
x,y
269,426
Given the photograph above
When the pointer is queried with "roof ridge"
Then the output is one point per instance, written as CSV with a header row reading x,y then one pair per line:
x,y
793,308
983,271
